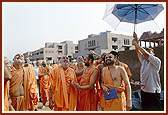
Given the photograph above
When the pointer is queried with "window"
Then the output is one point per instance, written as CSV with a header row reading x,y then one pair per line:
x,y
76,47
114,47
76,51
114,39
52,51
91,43
49,58
41,52
46,52
126,42
59,47
59,52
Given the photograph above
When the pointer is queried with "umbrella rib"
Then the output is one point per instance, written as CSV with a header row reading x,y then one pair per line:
x,y
122,8
123,18
150,16
150,6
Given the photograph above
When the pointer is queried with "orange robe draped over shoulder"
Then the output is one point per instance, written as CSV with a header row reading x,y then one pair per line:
x,y
65,96
117,104
78,80
44,84
19,79
6,95
32,89
87,97
6,91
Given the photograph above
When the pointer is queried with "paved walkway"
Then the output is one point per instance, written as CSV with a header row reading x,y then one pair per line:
x,y
40,104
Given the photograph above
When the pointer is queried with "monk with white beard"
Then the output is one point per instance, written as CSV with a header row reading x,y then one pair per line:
x,y
62,93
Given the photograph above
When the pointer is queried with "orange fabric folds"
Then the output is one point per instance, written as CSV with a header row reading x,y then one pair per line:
x,y
18,103
44,84
65,96
117,104
32,89
6,95
87,98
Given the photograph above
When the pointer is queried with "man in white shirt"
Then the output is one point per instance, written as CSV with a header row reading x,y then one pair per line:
x,y
149,76
36,69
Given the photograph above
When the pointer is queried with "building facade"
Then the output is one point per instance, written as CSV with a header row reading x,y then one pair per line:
x,y
152,39
53,51
104,42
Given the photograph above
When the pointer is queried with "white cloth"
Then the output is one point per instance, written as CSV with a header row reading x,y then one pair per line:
x,y
36,69
149,74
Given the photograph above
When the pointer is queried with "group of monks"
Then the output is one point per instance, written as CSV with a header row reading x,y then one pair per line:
x,y
67,86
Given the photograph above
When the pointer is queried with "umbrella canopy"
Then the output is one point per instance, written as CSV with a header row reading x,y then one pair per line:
x,y
132,13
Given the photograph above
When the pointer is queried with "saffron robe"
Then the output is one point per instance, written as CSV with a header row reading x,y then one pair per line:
x,y
87,97
44,84
117,104
65,95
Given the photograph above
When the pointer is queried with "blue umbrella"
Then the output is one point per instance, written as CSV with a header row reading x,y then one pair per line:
x,y
136,13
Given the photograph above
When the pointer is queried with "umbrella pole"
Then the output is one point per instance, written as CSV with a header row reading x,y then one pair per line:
x,y
135,21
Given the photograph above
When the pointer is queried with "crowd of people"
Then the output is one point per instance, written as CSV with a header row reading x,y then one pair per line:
x,y
88,85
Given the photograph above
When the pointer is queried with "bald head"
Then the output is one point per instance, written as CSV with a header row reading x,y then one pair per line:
x,y
64,61
44,63
18,58
27,60
80,59
37,63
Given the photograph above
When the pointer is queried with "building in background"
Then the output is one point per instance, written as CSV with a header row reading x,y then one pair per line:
x,y
53,51
150,39
104,42
100,43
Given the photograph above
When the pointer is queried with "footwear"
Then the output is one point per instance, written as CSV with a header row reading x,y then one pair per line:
x,y
43,107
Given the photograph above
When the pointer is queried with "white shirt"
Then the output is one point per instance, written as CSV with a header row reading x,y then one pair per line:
x,y
36,69
149,74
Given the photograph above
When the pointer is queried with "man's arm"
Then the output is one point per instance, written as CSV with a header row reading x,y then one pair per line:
x,y
142,50
135,40
128,88
94,53
99,56
79,72
91,83
155,61
7,73
42,74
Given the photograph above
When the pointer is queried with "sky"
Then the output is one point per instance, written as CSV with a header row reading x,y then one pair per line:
x,y
28,26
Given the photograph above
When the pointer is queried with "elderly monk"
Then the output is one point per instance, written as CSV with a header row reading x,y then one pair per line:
x,y
44,79
78,68
19,84
87,92
63,93
7,77
112,77
32,86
